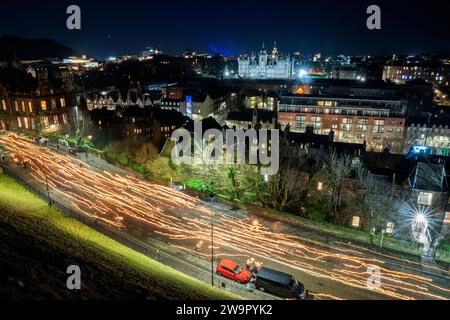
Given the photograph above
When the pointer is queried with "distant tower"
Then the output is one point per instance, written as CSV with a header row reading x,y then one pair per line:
x,y
263,56
274,51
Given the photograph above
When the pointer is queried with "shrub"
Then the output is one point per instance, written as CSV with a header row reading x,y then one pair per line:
x,y
318,212
199,185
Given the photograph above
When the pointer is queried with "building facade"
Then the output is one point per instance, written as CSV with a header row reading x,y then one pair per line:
x,y
377,123
404,73
428,137
35,113
426,194
202,106
266,65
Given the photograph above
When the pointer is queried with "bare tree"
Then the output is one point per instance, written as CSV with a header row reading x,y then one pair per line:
x,y
284,187
337,169
375,200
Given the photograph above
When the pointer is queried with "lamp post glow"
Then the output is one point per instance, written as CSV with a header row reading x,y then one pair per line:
x,y
420,231
46,182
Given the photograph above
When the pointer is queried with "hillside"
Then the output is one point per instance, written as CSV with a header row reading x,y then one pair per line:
x,y
37,244
23,49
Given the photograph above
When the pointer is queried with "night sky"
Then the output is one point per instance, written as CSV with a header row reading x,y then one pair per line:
x,y
233,27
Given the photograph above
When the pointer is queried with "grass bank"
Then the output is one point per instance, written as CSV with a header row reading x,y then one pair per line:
x,y
39,243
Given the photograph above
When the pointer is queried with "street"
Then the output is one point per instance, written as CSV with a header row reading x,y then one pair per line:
x,y
176,222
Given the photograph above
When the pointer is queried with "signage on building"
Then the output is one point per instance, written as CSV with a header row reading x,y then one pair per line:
x,y
189,106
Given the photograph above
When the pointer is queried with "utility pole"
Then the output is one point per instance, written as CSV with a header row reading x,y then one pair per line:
x,y
393,186
46,182
382,237
212,241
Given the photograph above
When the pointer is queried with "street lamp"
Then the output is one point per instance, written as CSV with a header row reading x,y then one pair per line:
x,y
420,218
212,240
46,182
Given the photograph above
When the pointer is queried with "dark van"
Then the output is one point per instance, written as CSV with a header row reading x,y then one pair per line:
x,y
280,284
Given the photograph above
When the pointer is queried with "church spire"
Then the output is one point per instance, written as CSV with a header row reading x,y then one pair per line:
x,y
274,51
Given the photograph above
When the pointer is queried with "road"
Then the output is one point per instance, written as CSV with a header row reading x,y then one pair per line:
x,y
159,215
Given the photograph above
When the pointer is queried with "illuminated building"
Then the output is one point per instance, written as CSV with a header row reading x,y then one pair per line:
x,y
111,100
379,123
5,110
403,72
263,101
38,106
265,65
426,193
150,51
201,106
249,118
431,137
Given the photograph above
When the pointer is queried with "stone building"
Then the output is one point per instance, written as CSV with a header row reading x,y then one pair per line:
x,y
266,65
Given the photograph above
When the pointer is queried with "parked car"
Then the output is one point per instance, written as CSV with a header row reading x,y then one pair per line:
x,y
42,141
231,270
279,283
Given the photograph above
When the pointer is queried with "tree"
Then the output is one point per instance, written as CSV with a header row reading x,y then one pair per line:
x,y
337,169
375,201
145,153
254,186
79,125
284,187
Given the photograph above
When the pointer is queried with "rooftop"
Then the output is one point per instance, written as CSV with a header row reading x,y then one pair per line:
x,y
429,177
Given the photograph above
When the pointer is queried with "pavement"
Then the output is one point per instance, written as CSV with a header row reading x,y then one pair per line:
x,y
164,222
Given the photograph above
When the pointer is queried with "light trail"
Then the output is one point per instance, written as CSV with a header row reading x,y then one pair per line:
x,y
120,200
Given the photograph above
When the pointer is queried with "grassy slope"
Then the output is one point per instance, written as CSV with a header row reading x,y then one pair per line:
x,y
38,244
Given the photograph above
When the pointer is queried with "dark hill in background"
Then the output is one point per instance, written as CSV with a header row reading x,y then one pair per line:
x,y
23,49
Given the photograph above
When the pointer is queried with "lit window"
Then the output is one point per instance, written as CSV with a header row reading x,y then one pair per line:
x,y
378,126
19,122
319,186
362,125
347,124
16,105
55,120
425,198
44,105
63,102
22,103
4,105
30,106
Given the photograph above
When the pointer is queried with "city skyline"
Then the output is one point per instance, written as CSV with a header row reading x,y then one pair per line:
x,y
108,29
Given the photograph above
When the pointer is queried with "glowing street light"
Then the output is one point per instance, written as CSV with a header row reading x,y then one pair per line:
x,y
420,218
319,186
302,73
